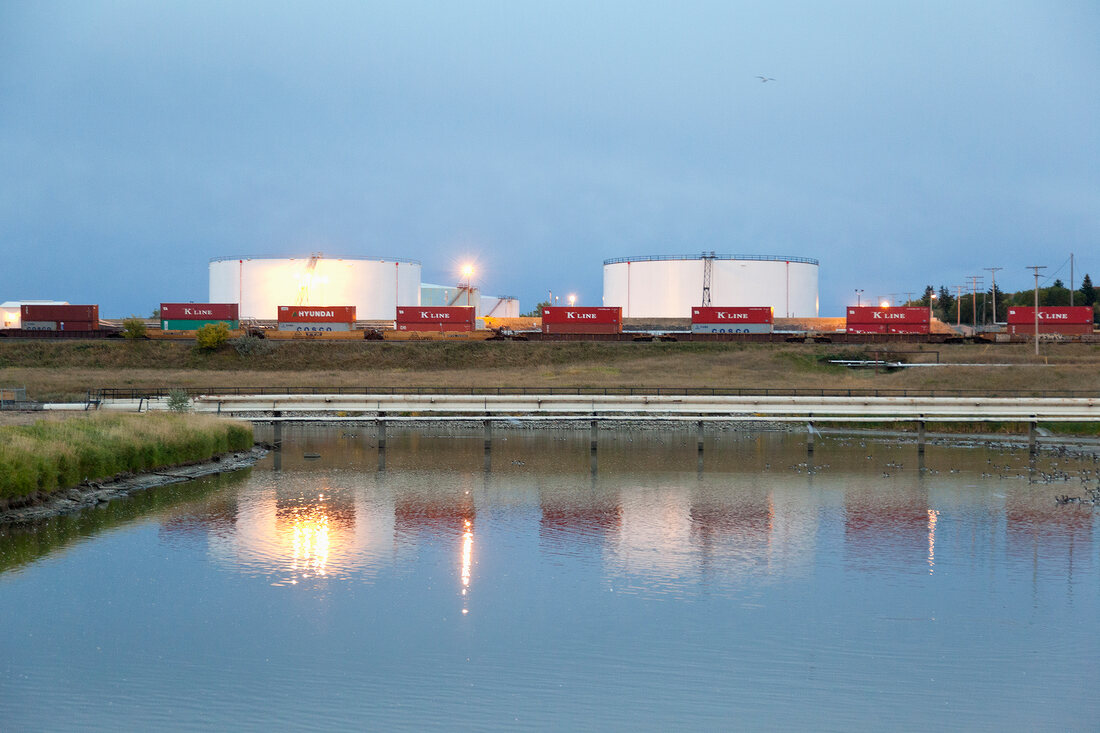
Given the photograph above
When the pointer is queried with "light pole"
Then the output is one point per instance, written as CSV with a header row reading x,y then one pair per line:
x,y
468,273
931,296
572,300
859,297
1036,269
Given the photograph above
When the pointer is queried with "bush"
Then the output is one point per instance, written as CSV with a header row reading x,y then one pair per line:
x,y
133,328
252,345
211,336
179,400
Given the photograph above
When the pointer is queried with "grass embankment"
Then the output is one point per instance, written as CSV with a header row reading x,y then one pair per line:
x,y
61,371
53,454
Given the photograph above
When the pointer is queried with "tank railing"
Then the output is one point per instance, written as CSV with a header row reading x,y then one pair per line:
x,y
700,256
133,393
387,260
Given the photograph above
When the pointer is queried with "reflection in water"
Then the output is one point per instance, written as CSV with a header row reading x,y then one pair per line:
x,y
311,541
933,515
467,555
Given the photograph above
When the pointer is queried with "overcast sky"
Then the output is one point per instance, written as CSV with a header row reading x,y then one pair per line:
x,y
901,143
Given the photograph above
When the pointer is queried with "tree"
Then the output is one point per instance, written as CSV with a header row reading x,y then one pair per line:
x,y
133,328
929,291
997,296
947,303
1056,294
211,336
537,312
1087,291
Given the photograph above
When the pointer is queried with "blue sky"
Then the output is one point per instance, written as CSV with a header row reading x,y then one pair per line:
x,y
901,143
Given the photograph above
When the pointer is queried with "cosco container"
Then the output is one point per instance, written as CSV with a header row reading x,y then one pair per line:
x,y
207,312
317,314
39,326
715,316
870,314
435,315
316,327
83,313
1050,315
195,325
731,328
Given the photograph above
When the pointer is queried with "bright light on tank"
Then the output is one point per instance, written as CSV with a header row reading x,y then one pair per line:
x,y
467,271
572,299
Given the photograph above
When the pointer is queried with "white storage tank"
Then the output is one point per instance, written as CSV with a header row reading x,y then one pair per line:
x,y
667,286
261,284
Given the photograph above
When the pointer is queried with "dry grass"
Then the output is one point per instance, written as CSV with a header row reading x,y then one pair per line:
x,y
66,371
53,454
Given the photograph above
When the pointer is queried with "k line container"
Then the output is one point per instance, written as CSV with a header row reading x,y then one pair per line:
x,y
866,328
908,328
1050,315
869,314
731,316
582,328
316,314
1068,329
731,328
454,314
207,312
81,313
314,327
435,327
195,325
583,316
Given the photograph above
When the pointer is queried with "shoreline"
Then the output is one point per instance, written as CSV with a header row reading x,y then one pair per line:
x,y
93,493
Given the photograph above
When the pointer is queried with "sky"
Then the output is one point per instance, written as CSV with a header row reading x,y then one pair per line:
x,y
900,143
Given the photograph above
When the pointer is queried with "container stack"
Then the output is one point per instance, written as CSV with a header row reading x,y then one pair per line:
x,y
582,320
868,319
436,318
1068,320
59,317
316,318
731,320
193,316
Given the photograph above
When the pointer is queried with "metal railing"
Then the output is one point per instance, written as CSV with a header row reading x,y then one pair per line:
x,y
701,256
133,393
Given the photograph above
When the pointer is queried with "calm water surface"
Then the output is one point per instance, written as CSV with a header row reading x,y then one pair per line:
x,y
540,589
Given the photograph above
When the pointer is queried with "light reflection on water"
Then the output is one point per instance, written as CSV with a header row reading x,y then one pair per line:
x,y
538,588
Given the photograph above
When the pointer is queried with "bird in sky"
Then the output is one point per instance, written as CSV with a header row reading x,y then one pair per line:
x,y
765,79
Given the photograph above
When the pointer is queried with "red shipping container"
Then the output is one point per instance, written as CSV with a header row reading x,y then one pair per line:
x,y
437,327
78,326
582,328
316,314
907,328
1068,329
752,314
870,314
199,311
583,316
86,313
462,314
866,328
1050,315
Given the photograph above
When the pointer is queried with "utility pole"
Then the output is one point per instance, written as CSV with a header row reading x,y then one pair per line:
x,y
974,287
1036,268
958,304
993,274
1070,279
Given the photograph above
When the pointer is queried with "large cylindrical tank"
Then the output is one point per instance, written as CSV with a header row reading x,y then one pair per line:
x,y
667,286
261,284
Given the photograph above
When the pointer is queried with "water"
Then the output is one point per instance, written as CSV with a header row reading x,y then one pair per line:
x,y
540,589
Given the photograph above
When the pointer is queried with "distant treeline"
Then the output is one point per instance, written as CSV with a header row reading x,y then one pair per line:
x,y
950,307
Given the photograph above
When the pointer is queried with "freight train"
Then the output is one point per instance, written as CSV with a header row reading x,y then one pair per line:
x,y
744,324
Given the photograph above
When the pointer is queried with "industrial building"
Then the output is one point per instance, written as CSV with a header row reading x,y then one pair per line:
x,y
375,287
668,286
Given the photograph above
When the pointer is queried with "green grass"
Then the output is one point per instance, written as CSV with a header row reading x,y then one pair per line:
x,y
51,455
